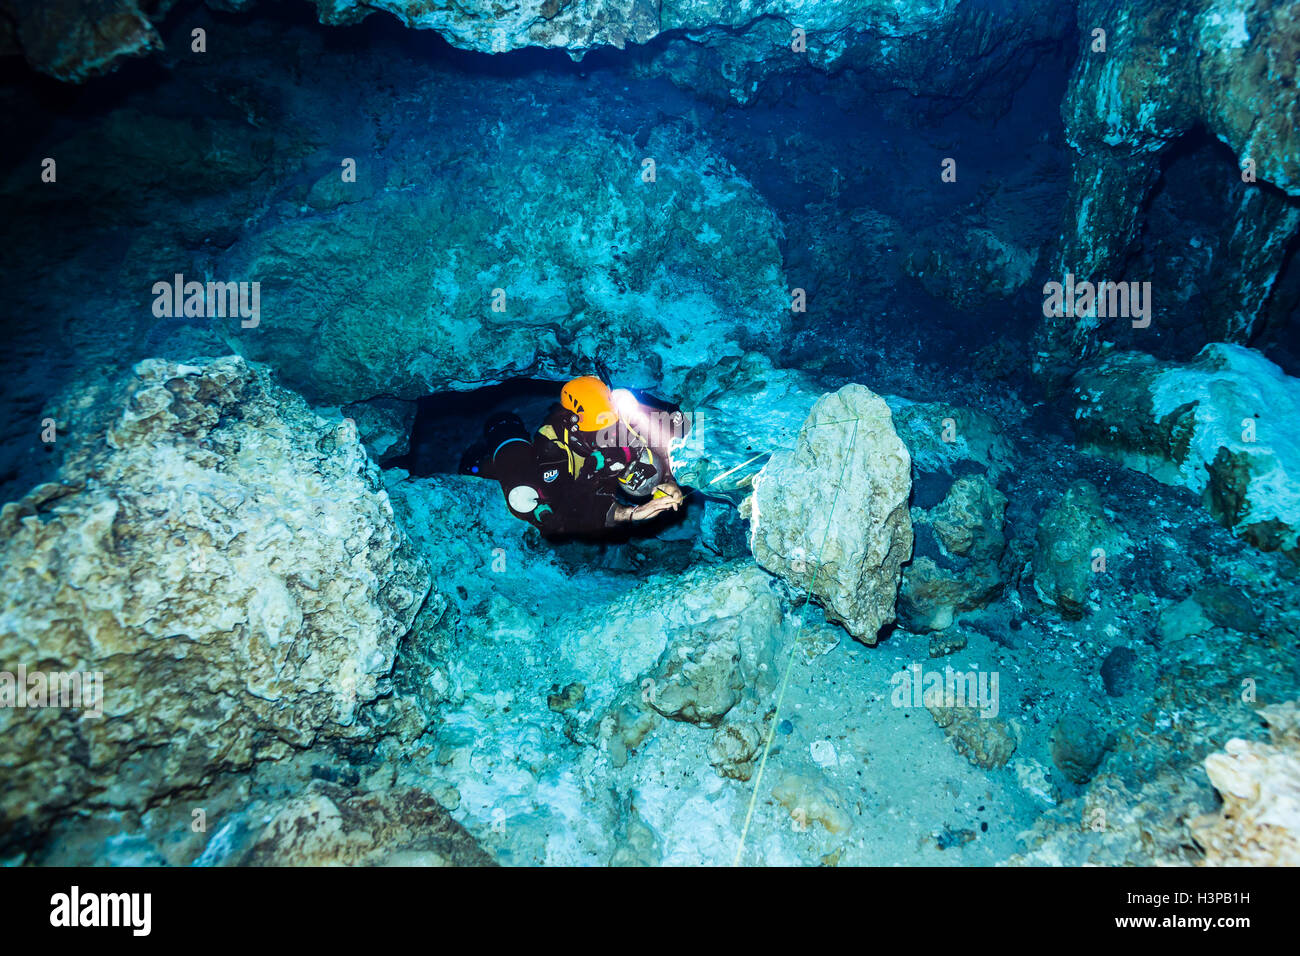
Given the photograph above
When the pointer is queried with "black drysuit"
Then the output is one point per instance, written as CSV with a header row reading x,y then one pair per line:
x,y
537,478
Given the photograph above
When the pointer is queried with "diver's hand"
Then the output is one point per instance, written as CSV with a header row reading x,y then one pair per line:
x,y
652,508
625,513
671,489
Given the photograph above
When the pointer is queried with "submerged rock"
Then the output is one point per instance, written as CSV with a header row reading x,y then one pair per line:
x,y
971,266
1074,543
723,48
689,646
1228,606
831,516
230,564
383,425
811,799
331,825
733,748
948,439
477,273
742,408
1221,425
959,545
987,742
1077,747
1120,824
1118,671
1259,823
1164,69
76,39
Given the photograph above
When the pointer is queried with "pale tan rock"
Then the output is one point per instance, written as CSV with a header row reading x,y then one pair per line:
x,y
831,515
810,799
733,748
230,564
987,742
332,826
1259,824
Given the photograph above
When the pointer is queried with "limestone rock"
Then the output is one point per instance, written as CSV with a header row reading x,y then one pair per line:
x,y
1119,671
401,297
725,48
1077,747
741,408
970,265
733,54
945,438
686,642
383,425
1116,824
831,515
1259,824
1034,780
638,844
1228,606
702,682
74,40
959,546
331,825
987,742
228,561
1073,537
570,697
811,799
946,642
1227,65
1221,425
733,748
717,632
625,725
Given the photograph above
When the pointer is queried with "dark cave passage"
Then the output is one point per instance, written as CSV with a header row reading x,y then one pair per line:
x,y
447,423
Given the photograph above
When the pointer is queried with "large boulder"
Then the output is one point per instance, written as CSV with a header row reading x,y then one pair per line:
x,y
479,273
1221,425
831,514
230,565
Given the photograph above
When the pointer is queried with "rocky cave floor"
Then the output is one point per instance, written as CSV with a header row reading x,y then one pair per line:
x,y
1110,700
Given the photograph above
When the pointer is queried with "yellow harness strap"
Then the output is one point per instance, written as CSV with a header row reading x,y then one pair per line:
x,y
575,460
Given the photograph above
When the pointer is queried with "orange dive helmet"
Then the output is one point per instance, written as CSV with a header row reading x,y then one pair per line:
x,y
591,401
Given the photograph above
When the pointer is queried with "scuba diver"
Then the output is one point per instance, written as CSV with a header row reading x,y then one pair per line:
x,y
600,460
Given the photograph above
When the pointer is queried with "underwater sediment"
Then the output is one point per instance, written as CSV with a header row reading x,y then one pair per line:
x,y
976,323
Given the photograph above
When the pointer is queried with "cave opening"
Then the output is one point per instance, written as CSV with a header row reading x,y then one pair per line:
x,y
447,423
